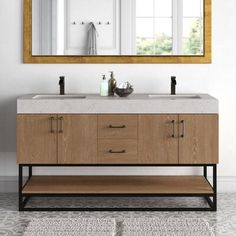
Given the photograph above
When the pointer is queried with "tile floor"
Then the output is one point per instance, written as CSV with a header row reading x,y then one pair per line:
x,y
223,222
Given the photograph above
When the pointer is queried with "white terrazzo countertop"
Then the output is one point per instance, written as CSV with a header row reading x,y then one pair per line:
x,y
134,104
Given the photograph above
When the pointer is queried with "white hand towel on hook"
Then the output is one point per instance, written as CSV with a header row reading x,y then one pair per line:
x,y
92,39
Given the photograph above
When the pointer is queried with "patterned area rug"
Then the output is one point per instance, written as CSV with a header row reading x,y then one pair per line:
x,y
128,227
71,227
166,227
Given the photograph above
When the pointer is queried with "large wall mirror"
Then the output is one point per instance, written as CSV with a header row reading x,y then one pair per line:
x,y
117,31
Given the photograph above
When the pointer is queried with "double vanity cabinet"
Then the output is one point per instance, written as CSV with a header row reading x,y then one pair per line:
x,y
141,130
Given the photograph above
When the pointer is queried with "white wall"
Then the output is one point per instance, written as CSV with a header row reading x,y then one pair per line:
x,y
108,35
42,21
218,79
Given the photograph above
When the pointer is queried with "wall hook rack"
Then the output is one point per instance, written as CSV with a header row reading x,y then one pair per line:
x,y
98,23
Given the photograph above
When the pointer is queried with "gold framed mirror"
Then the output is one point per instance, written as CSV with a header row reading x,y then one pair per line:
x,y
170,35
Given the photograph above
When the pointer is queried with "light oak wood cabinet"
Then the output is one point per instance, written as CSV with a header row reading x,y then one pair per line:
x,y
77,139
117,151
124,140
178,139
57,139
158,139
117,139
118,126
37,139
198,139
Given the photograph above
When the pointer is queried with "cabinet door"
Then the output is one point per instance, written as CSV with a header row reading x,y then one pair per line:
x,y
77,139
158,139
198,141
36,139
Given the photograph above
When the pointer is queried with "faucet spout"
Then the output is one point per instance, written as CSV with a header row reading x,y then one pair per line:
x,y
173,85
62,85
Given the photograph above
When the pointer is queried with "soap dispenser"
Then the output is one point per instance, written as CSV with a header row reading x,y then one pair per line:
x,y
111,84
104,87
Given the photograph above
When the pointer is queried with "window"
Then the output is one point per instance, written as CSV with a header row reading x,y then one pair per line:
x,y
192,27
169,27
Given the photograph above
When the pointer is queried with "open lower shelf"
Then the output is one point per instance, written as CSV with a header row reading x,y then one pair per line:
x,y
117,185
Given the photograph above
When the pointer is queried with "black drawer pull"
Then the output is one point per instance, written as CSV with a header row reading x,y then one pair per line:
x,y
117,127
111,151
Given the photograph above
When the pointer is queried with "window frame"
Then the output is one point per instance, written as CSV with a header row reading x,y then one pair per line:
x,y
177,27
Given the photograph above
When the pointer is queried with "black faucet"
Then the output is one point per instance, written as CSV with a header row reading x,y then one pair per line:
x,y
173,85
62,85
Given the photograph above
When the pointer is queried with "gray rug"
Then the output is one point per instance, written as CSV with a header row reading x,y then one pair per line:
x,y
166,227
71,227
128,227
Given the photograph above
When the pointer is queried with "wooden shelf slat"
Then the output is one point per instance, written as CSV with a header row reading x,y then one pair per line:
x,y
117,185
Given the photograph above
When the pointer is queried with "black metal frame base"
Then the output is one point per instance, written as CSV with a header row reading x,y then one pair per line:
x,y
210,198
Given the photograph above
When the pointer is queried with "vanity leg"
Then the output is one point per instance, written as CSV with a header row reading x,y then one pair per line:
x,y
212,202
205,171
30,171
214,208
20,182
23,200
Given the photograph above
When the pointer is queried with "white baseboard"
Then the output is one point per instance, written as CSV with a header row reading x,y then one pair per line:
x,y
226,184
9,184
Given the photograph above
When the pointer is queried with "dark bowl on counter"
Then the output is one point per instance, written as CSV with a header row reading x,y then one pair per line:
x,y
123,92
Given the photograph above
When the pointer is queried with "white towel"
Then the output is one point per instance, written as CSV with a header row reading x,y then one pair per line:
x,y
92,39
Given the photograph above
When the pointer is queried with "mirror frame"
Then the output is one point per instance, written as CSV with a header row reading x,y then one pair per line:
x,y
199,59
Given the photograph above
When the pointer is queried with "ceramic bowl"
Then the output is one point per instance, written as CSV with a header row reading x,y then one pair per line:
x,y
123,92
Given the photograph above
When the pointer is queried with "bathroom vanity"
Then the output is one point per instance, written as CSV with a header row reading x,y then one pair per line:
x,y
141,130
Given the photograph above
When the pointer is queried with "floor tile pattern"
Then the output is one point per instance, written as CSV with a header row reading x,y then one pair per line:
x,y
223,222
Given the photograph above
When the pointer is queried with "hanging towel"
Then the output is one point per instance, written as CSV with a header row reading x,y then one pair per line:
x,y
92,39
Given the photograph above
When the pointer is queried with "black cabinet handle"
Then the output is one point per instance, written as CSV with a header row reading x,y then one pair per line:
x,y
51,125
61,124
173,128
111,151
117,127
183,128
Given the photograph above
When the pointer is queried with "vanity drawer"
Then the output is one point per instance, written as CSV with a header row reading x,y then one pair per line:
x,y
117,151
117,126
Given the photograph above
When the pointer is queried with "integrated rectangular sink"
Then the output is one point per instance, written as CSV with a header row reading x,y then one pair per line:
x,y
55,96
174,97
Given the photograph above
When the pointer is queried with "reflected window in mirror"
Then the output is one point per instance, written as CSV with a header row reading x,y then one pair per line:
x,y
124,27
170,27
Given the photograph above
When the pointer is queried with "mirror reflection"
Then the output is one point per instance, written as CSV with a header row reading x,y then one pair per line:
x,y
117,27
